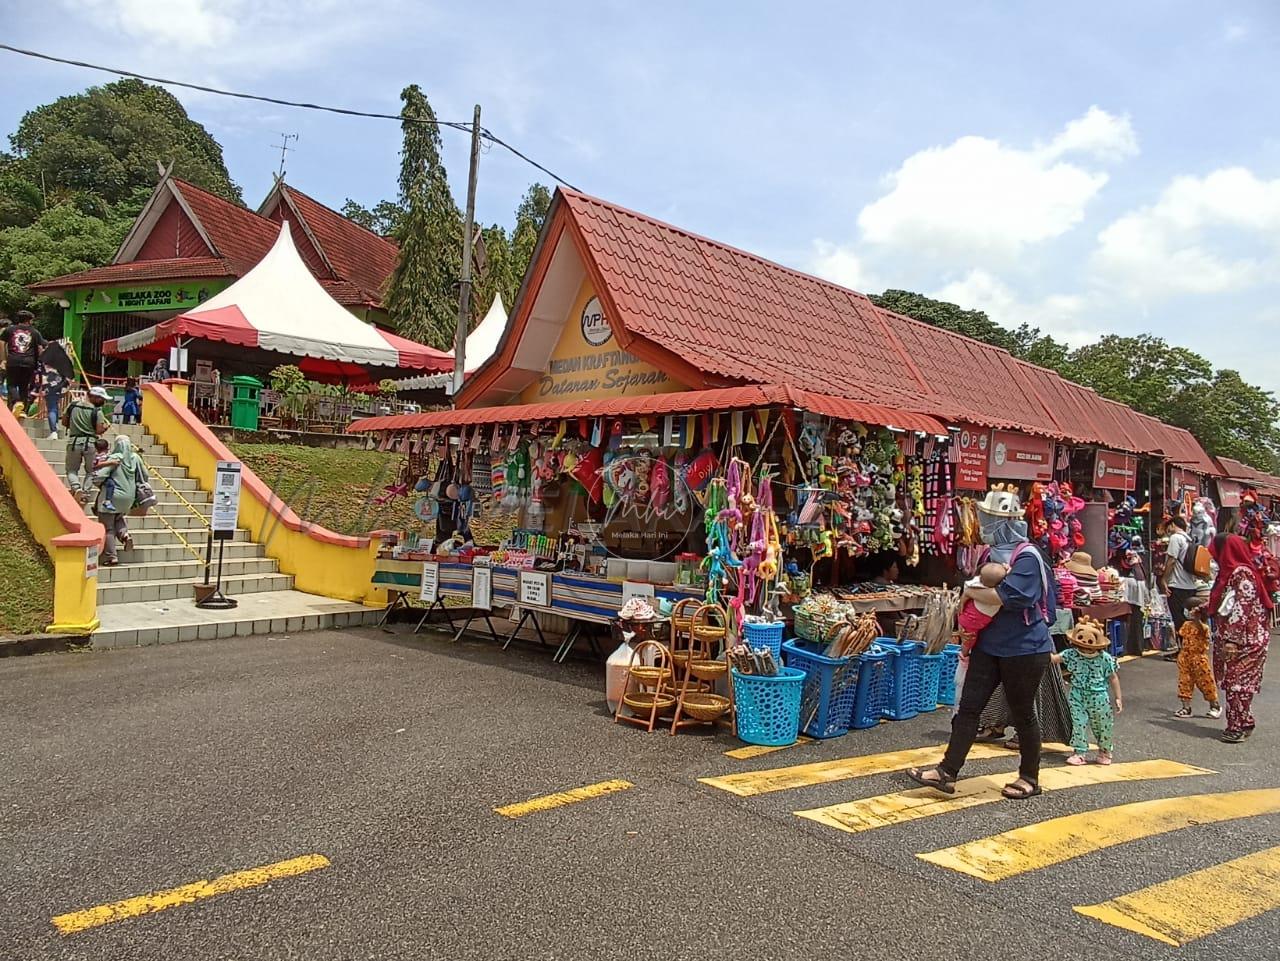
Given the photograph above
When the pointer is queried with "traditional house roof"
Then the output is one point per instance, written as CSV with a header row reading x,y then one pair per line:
x,y
713,315
185,232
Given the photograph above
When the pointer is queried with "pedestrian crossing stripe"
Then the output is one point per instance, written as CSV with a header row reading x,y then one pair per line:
x,y
751,783
1197,904
912,805
1052,842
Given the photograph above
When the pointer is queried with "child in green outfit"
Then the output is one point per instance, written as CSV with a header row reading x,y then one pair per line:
x,y
1093,683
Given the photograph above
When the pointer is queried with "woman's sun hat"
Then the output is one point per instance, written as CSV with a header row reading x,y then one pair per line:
x,y
1081,562
1088,635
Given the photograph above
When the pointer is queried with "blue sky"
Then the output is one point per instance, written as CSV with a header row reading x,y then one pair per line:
x,y
1087,168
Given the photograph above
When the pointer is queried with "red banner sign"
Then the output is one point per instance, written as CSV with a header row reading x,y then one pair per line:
x,y
971,468
1229,492
1115,471
1019,457
1183,480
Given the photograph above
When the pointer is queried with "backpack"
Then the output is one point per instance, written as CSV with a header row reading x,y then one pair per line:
x,y
1196,559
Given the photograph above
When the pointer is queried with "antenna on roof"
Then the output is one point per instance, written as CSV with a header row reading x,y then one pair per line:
x,y
284,148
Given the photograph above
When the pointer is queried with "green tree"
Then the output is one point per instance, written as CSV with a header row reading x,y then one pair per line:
x,y
1144,372
530,216
970,323
62,240
104,144
421,296
1232,418
383,218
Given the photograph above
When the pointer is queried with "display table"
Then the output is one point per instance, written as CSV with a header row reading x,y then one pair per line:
x,y
586,601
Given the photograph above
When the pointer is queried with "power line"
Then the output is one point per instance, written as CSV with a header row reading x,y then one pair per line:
x,y
301,105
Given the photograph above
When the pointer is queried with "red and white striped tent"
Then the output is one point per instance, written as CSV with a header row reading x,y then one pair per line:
x,y
280,307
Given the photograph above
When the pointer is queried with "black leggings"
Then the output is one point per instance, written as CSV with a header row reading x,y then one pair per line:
x,y
18,379
1021,678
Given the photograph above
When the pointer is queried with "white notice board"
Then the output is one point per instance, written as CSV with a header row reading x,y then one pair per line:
x,y
482,587
535,589
226,499
430,582
632,589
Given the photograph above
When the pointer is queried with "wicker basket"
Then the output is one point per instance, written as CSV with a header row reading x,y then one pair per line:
x,y
642,702
708,670
703,706
645,674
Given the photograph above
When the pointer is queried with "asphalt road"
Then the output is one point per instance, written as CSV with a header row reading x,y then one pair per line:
x,y
132,772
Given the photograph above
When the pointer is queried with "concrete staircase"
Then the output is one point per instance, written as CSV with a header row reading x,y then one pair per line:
x,y
149,599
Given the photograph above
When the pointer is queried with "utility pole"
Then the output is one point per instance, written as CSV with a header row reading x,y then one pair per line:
x,y
464,287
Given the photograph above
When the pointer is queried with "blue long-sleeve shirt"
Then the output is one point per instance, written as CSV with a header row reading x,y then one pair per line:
x,y
1009,634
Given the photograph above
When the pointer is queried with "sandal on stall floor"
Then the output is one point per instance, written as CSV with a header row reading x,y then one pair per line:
x,y
933,777
1021,789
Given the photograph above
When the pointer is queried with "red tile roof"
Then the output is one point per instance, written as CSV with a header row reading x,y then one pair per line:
x,y
238,235
185,268
734,315
680,402
356,255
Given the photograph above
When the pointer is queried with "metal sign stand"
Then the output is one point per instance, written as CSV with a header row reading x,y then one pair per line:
x,y
226,515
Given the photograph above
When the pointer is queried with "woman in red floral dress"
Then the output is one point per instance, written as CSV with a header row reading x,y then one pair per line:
x,y
1242,614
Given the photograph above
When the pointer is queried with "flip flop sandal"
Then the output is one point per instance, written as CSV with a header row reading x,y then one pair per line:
x,y
1104,757
1233,737
1076,760
943,782
1020,793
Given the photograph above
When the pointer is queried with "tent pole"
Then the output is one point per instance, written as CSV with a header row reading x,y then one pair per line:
x,y
464,288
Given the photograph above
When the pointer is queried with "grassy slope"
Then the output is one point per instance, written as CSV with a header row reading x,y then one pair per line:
x,y
335,488
26,576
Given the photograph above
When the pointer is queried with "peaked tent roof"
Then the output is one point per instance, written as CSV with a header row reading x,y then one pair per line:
x,y
280,306
481,345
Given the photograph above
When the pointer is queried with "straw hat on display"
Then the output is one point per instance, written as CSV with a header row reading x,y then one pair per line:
x,y
1081,563
1088,635
1001,501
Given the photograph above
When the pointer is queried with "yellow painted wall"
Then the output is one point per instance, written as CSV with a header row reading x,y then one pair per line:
x,y
58,524
587,362
321,562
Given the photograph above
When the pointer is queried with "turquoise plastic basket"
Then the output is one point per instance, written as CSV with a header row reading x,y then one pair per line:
x,y
764,635
947,692
903,698
768,708
931,666
873,689
830,686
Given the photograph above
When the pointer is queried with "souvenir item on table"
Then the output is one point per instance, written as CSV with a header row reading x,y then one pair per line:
x,y
1067,586
1080,564
637,609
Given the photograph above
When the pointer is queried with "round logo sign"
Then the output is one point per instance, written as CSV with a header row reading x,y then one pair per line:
x,y
1102,467
998,455
595,326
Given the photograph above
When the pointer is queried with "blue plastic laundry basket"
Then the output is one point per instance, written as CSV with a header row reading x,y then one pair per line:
x,y
830,687
903,698
764,635
1116,631
873,689
768,708
931,666
947,693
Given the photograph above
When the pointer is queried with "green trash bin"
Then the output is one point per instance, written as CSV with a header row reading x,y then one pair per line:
x,y
244,402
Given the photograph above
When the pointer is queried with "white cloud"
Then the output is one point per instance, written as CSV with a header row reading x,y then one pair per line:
x,y
841,265
1204,235
979,198
1062,315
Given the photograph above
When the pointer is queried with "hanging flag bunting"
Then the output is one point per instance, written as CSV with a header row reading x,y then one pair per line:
x,y
1064,457
690,430
514,441
615,434
584,428
753,435
597,432
761,418
669,431
476,438
736,434
385,441
646,425
495,438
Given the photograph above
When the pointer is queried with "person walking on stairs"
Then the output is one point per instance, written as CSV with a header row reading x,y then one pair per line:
x,y
22,343
85,422
124,471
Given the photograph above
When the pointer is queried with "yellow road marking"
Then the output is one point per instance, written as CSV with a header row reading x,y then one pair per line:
x,y
888,809
1133,657
187,894
1051,842
561,798
759,750
1199,903
751,783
